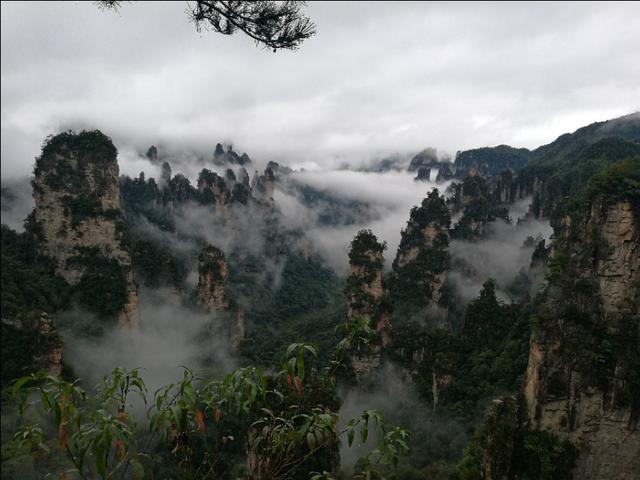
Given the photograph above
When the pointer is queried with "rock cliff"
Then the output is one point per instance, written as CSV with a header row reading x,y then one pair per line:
x,y
79,221
581,381
212,293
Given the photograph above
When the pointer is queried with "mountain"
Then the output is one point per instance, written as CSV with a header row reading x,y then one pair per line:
x,y
509,353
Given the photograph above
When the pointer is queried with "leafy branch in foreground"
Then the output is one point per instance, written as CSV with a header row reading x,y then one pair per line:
x,y
247,425
274,25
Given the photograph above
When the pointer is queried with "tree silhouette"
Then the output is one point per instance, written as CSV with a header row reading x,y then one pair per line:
x,y
274,25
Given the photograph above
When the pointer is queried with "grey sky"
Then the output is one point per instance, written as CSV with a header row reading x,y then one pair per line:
x,y
377,78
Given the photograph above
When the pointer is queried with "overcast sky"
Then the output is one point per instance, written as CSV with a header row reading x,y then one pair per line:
x,y
377,78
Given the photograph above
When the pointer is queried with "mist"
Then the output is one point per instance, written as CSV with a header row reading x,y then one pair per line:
x,y
433,434
500,255
168,337
17,203
386,199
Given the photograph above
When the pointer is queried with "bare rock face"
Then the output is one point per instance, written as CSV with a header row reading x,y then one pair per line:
x,y
618,268
78,213
213,274
212,293
228,156
585,345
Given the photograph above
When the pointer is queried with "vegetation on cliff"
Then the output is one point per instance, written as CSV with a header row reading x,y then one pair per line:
x,y
30,288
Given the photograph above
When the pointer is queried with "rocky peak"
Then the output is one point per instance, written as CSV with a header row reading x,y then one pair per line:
x,y
364,286
212,293
422,259
278,169
165,175
263,185
212,278
222,157
219,150
428,227
243,176
230,176
179,189
365,310
426,158
504,190
152,154
78,214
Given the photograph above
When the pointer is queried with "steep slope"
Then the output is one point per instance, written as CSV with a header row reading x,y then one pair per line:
x,y
577,413
581,381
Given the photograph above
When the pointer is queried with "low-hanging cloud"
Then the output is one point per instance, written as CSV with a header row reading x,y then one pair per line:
x,y
500,255
388,198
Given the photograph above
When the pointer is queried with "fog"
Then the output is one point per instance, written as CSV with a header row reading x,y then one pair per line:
x,y
168,337
434,436
17,203
499,255
388,198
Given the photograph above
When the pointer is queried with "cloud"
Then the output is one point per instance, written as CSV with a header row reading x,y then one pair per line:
x,y
453,75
